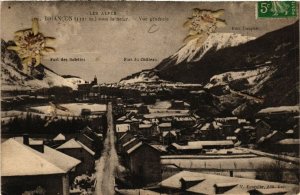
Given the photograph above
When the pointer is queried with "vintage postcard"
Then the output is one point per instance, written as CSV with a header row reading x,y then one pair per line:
x,y
111,97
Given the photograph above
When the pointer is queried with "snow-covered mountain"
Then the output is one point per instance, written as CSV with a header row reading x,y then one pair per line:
x,y
243,73
188,53
13,78
223,52
191,52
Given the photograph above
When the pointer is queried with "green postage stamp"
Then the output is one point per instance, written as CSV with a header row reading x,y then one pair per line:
x,y
277,9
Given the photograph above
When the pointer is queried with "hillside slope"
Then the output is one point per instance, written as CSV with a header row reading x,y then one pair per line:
x,y
273,46
12,77
188,53
243,75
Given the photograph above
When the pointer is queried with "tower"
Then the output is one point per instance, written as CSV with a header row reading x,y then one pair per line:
x,y
95,81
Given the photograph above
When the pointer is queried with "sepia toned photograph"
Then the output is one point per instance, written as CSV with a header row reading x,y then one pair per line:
x,y
150,98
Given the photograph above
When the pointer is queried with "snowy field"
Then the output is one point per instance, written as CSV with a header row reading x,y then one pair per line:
x,y
73,109
162,109
7,116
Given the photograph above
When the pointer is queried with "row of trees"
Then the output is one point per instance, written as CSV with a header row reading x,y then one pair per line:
x,y
35,124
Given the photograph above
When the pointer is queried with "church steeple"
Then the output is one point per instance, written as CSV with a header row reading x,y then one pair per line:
x,y
95,81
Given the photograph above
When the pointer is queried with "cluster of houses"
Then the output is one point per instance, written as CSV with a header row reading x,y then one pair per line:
x,y
139,92
278,130
187,182
180,134
176,133
29,165
141,159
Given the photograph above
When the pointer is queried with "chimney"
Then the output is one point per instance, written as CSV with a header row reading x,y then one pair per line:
x,y
38,147
26,139
189,182
183,184
221,188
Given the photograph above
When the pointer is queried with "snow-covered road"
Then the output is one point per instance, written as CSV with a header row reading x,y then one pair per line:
x,y
106,166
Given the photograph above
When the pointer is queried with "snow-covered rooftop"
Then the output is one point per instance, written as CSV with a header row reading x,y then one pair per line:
x,y
231,185
134,147
21,160
173,132
187,147
59,137
129,142
72,143
211,143
291,109
62,160
121,128
165,125
87,148
289,142
142,126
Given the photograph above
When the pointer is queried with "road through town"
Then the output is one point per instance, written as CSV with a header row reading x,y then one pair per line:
x,y
107,164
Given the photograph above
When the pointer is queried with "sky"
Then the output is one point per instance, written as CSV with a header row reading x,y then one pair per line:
x,y
103,45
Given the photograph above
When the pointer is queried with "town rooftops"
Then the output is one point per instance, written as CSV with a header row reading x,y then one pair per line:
x,y
289,142
211,126
210,184
127,134
290,131
87,148
211,143
165,125
248,127
226,119
280,109
35,142
59,137
261,140
138,145
87,129
87,137
145,126
121,118
173,132
184,118
136,191
198,92
129,151
21,160
122,128
72,143
270,191
231,138
129,142
243,121
134,119
186,147
128,121
161,148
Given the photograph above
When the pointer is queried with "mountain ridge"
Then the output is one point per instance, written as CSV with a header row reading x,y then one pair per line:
x,y
244,78
216,62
